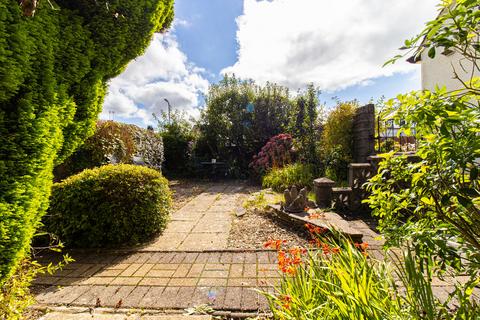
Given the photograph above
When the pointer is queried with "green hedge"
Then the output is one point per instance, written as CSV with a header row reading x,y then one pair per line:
x,y
113,205
54,69
298,174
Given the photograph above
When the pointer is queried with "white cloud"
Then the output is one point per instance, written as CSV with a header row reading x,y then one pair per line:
x,y
181,23
162,72
333,44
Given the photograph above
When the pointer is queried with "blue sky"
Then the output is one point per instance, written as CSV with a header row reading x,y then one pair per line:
x,y
292,42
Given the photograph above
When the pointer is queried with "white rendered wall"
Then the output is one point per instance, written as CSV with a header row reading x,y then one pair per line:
x,y
439,71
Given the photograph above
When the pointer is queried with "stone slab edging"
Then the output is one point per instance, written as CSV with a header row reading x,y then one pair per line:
x,y
327,220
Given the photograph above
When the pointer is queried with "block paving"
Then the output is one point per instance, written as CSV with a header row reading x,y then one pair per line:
x,y
164,280
203,223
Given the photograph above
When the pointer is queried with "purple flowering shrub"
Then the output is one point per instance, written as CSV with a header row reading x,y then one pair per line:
x,y
277,153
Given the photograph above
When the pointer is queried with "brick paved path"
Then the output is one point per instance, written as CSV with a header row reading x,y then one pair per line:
x,y
204,223
163,280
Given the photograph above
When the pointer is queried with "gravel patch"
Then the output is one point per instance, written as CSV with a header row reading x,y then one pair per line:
x,y
256,227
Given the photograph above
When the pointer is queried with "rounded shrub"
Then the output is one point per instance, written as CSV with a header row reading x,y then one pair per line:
x,y
112,205
298,174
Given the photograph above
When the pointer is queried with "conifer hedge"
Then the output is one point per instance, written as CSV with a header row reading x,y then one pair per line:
x,y
53,72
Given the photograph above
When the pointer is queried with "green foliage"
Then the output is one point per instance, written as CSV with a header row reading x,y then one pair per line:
x,y
15,295
178,139
114,142
298,174
441,192
53,73
230,132
341,281
433,204
304,125
337,140
113,205
342,285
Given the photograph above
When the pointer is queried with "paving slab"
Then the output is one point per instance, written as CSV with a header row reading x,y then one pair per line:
x,y
173,283
210,212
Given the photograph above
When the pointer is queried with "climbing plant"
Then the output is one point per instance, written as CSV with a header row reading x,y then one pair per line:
x,y
54,66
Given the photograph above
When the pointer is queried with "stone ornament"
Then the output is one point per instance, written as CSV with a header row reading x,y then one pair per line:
x,y
296,201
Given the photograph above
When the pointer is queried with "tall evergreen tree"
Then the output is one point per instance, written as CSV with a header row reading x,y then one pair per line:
x,y
54,66
304,125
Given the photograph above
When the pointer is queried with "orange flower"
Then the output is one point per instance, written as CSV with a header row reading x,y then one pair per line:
x,y
315,230
335,250
291,270
325,248
276,244
286,299
289,260
362,246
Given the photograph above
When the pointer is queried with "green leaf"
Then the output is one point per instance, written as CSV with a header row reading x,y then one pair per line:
x,y
428,201
431,53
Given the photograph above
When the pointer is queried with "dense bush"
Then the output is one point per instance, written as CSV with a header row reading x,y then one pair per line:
x,y
277,153
298,174
336,144
433,203
113,205
239,118
178,137
112,143
53,73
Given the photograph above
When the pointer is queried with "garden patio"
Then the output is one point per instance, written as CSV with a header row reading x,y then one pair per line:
x,y
173,273
262,203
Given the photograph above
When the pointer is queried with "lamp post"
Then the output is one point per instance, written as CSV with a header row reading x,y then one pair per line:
x,y
169,109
